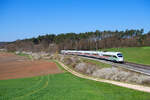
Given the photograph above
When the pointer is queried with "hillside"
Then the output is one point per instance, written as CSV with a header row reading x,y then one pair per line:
x,y
139,55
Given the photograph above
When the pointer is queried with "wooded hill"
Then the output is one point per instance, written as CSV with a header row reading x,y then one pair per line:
x,y
82,41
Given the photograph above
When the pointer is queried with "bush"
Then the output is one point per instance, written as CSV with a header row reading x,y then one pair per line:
x,y
3,50
17,52
105,73
86,68
81,67
70,60
36,56
121,75
139,79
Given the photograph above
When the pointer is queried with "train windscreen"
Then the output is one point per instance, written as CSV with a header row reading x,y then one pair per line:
x,y
119,55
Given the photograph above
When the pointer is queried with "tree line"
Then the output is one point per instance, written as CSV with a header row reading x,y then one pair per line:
x,y
82,41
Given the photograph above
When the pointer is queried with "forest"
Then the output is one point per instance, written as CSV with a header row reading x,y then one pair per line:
x,y
82,41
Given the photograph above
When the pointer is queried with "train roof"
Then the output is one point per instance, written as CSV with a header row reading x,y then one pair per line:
x,y
109,53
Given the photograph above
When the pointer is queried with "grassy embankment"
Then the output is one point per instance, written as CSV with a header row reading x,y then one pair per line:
x,y
25,55
139,55
98,63
65,86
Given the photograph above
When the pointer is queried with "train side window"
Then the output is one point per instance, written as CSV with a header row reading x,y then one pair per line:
x,y
114,56
107,55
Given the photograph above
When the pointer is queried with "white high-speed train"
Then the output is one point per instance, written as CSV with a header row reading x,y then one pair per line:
x,y
111,56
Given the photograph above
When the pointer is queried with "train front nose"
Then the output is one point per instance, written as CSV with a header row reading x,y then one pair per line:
x,y
120,59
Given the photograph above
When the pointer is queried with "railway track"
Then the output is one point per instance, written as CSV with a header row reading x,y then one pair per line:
x,y
140,68
144,69
138,65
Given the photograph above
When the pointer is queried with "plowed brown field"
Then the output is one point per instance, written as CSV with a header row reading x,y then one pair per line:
x,y
13,66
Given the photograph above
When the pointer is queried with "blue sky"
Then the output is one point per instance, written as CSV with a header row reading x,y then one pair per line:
x,y
21,19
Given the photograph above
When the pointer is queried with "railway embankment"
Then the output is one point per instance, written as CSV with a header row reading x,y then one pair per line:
x,y
135,87
139,68
104,72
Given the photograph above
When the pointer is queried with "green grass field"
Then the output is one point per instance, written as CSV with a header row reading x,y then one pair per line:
x,y
139,55
65,86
